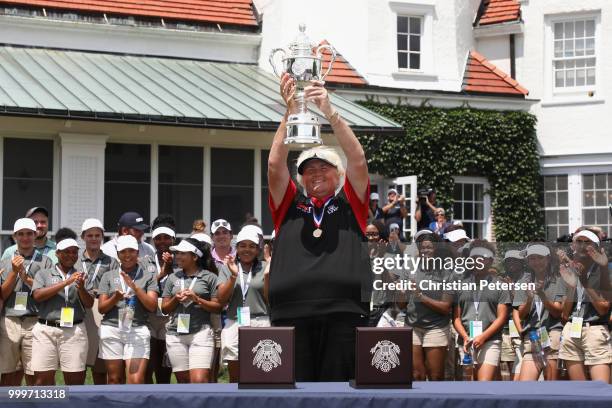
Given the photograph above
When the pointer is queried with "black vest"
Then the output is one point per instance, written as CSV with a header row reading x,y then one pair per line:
x,y
312,276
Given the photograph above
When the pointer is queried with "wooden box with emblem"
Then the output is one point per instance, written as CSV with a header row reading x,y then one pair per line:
x,y
383,357
266,356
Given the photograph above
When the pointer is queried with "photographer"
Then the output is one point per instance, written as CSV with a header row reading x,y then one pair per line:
x,y
425,208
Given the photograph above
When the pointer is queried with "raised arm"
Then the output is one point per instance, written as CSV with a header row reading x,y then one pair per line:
x,y
356,164
278,173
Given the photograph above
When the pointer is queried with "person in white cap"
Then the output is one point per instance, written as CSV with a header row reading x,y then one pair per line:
x,y
586,308
20,312
540,311
94,263
374,211
221,231
458,239
126,297
190,298
60,337
43,244
215,317
241,287
320,278
479,315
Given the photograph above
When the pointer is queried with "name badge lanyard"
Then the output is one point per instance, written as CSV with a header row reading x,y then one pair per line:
x,y
244,285
580,292
191,285
476,299
86,270
319,220
67,287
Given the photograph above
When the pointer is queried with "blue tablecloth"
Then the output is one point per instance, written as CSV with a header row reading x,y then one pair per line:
x,y
318,395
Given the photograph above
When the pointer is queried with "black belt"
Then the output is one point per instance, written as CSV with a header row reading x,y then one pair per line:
x,y
56,323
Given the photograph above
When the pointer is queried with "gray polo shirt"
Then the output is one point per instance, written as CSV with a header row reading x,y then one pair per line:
x,y
51,308
554,289
39,263
587,311
205,287
95,268
420,315
488,300
111,282
254,296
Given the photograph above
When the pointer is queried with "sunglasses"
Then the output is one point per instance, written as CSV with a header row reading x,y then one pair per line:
x,y
218,224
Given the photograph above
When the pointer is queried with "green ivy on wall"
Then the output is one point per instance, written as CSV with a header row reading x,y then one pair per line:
x,y
442,143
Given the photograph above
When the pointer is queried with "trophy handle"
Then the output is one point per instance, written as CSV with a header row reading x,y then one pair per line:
x,y
319,52
271,59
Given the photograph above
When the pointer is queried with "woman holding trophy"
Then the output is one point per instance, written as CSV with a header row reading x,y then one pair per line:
x,y
320,278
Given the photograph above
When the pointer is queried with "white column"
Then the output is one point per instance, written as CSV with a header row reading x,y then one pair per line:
x,y
574,198
154,201
81,171
257,186
206,190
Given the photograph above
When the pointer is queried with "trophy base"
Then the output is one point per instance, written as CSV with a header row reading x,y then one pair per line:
x,y
303,129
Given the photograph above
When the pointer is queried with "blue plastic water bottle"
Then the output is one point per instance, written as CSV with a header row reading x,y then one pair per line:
x,y
468,367
536,349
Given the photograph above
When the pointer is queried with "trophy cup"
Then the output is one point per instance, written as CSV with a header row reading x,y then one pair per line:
x,y
304,64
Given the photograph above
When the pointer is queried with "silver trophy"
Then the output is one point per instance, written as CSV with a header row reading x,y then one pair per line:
x,y
304,63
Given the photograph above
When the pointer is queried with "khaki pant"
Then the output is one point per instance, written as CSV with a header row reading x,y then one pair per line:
x,y
594,347
191,351
63,348
16,344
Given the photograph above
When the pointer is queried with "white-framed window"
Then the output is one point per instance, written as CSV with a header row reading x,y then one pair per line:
x,y
596,198
574,58
25,183
409,35
555,205
472,206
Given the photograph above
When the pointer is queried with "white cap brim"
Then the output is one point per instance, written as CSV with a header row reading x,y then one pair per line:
x,y
185,246
66,243
163,230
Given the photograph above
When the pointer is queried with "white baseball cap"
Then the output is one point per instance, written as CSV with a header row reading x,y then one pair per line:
x,y
394,226
247,235
513,253
374,196
323,153
456,235
253,228
24,223
163,230
66,243
392,190
202,237
588,235
422,232
218,224
185,246
91,223
537,249
126,242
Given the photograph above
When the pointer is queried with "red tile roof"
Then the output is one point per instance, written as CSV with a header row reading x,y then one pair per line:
x,y
483,77
498,11
234,12
342,72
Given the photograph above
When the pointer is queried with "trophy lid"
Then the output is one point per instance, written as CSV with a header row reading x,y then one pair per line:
x,y
301,45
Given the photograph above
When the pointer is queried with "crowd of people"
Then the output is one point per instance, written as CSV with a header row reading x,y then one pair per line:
x,y
560,328
132,311
137,312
